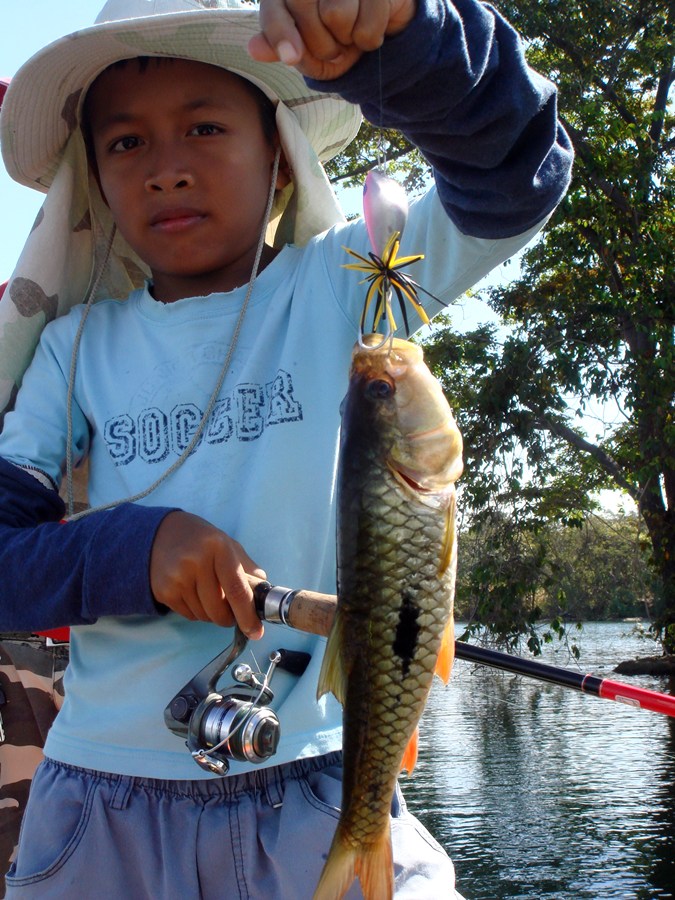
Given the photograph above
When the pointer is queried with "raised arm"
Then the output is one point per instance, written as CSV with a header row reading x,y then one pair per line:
x,y
455,81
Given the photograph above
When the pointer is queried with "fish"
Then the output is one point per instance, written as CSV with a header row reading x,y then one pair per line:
x,y
400,456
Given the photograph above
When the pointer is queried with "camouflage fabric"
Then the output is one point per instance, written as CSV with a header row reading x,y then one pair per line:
x,y
30,677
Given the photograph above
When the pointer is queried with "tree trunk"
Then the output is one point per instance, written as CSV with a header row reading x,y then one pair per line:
x,y
662,533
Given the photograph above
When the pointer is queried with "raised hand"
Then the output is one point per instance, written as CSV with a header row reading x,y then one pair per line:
x,y
324,38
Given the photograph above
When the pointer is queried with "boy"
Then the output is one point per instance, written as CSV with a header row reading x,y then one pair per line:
x,y
206,400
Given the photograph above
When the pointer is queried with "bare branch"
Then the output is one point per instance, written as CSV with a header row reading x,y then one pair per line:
x,y
608,463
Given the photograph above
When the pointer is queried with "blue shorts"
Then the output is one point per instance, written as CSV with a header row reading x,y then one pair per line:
x,y
265,834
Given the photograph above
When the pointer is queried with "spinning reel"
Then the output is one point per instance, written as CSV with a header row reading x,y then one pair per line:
x,y
237,724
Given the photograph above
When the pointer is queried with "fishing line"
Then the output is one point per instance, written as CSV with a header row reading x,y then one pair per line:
x,y
251,710
381,151
73,369
381,163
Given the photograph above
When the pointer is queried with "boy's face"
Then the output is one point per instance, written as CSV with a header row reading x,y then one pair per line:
x,y
185,168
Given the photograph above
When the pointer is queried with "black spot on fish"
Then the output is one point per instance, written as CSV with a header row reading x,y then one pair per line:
x,y
407,631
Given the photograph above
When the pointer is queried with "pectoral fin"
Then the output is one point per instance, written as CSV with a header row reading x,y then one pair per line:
x,y
448,546
332,676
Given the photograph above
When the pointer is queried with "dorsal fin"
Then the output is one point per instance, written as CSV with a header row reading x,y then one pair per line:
x,y
332,675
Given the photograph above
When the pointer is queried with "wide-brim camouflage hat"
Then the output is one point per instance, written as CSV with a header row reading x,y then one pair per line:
x,y
43,102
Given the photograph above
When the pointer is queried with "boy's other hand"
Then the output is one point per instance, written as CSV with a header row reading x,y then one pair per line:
x,y
201,573
324,38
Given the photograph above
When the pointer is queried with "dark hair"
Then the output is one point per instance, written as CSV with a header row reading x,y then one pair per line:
x,y
266,107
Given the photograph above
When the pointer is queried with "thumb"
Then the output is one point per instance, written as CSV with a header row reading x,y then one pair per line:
x,y
260,49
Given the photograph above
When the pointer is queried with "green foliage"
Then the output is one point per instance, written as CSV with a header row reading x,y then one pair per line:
x,y
534,583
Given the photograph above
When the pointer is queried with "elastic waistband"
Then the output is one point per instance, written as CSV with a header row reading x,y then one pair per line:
x,y
269,781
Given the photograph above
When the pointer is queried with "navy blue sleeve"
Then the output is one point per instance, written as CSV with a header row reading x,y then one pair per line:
x,y
57,574
457,85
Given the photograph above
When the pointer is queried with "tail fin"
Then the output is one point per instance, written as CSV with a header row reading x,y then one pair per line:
x,y
373,863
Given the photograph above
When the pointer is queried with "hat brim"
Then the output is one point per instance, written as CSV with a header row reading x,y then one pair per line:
x,y
42,104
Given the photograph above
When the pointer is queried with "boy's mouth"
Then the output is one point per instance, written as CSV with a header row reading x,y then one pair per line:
x,y
176,219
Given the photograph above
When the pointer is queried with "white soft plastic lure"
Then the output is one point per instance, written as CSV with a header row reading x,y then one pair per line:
x,y
385,210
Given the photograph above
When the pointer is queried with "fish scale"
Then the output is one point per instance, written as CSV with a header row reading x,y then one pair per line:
x,y
395,593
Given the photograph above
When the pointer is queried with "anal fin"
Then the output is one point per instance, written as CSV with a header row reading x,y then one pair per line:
x,y
446,654
410,754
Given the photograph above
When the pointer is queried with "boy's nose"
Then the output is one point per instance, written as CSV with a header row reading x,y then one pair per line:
x,y
169,180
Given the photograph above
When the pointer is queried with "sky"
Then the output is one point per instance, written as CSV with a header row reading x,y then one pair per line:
x,y
25,28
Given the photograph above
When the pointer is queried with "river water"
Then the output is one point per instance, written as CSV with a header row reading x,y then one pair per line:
x,y
538,791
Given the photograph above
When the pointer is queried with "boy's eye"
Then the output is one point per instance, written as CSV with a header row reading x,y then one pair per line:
x,y
205,129
125,143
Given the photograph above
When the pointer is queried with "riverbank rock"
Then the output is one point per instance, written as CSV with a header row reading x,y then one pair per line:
x,y
647,665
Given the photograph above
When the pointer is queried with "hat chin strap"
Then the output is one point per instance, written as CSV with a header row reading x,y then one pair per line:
x,y
72,516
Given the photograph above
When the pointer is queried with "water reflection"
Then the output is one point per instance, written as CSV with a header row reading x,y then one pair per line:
x,y
662,879
537,791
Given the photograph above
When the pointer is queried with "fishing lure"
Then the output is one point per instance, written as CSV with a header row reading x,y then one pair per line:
x,y
385,209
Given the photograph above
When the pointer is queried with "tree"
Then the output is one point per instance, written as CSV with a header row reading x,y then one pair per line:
x,y
514,579
591,319
599,570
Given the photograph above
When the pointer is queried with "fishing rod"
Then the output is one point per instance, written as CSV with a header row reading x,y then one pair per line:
x,y
313,612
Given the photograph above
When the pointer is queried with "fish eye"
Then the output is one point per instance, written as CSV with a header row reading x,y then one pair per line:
x,y
379,389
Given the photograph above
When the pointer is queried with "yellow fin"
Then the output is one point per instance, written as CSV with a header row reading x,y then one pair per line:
x,y
375,868
446,654
373,863
332,675
338,873
448,545
410,755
